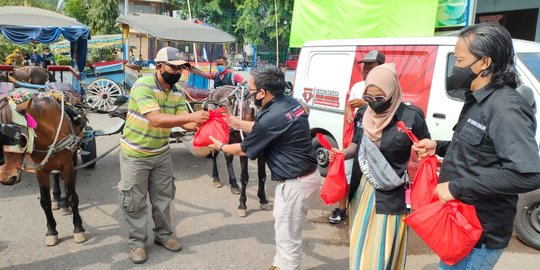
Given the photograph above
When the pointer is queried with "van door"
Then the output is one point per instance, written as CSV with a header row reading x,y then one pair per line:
x,y
444,104
322,81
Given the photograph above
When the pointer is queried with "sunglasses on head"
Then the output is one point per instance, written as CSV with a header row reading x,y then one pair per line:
x,y
370,98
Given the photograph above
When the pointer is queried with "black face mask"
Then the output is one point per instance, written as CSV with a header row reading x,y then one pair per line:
x,y
170,78
257,102
380,107
461,78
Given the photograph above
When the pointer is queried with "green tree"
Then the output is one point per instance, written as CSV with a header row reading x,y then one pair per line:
x,y
30,3
102,16
77,9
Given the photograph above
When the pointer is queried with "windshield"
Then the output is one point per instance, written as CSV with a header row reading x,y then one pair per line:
x,y
532,62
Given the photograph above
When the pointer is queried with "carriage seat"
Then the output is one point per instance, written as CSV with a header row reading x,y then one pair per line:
x,y
72,96
134,67
193,93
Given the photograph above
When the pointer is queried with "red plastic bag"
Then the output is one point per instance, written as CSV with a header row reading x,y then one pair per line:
x,y
425,182
335,186
451,230
348,133
215,126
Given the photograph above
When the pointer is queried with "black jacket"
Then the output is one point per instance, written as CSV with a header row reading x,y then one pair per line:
x,y
396,148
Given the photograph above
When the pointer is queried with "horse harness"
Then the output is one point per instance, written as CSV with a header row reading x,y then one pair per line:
x,y
69,142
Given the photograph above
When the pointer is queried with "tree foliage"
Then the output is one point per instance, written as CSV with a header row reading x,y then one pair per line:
x,y
30,3
77,9
251,21
102,16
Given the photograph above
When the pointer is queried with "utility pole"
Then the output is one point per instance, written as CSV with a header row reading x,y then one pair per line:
x,y
194,46
126,7
277,33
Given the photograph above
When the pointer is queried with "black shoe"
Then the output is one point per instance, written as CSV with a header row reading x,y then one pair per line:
x,y
337,216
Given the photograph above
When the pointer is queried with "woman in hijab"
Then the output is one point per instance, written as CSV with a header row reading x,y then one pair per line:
x,y
378,236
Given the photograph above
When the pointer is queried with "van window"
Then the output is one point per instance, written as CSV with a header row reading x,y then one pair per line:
x,y
452,93
532,62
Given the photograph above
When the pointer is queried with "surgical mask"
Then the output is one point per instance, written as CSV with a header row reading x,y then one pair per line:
x,y
170,78
461,78
380,107
220,69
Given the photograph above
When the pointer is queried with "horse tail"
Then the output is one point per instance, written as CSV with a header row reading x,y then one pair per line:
x,y
5,110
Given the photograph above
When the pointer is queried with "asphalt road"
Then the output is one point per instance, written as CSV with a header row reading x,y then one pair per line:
x,y
203,217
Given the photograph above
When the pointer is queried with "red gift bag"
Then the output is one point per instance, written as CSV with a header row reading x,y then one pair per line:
x,y
348,133
426,178
425,182
451,230
215,126
335,186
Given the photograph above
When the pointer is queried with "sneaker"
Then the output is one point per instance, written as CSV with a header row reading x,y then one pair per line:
x,y
137,255
337,216
169,244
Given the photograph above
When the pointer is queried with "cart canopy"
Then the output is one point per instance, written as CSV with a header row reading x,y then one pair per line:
x,y
172,29
22,25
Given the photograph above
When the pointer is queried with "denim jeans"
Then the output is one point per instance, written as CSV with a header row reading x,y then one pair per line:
x,y
479,259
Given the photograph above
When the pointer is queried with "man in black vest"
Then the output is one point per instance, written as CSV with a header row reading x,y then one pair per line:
x,y
223,76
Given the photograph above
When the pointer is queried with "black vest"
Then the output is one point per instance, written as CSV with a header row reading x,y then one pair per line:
x,y
227,79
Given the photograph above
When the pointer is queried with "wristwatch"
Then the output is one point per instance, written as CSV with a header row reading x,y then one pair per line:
x,y
221,148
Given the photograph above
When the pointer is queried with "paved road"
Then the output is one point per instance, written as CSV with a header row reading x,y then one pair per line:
x,y
203,217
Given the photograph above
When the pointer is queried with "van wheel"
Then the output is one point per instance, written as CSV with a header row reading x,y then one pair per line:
x,y
322,153
527,221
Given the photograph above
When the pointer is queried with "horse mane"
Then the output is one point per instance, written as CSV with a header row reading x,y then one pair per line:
x,y
5,110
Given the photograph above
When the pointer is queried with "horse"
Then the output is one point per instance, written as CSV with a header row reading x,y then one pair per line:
x,y
231,97
31,74
54,148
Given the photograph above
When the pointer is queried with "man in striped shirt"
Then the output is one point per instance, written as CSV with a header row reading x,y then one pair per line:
x,y
154,108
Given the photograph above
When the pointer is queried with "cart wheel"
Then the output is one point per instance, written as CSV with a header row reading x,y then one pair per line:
x,y
89,147
101,94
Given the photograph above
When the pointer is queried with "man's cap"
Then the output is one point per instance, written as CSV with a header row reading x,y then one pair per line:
x,y
170,55
373,56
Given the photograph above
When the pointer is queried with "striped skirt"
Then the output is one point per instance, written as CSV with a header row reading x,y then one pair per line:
x,y
377,241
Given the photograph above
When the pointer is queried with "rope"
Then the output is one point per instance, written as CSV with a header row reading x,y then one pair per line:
x,y
52,146
241,108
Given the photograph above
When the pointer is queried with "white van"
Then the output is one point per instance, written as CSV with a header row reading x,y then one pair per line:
x,y
327,70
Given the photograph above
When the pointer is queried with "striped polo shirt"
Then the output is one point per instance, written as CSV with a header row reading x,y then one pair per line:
x,y
139,137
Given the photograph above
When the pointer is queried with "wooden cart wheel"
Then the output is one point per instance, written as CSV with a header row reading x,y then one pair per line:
x,y
101,94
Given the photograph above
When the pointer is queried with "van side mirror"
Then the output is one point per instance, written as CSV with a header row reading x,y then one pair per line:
x,y
289,88
527,93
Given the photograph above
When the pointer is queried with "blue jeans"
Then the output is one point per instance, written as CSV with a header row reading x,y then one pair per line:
x,y
479,259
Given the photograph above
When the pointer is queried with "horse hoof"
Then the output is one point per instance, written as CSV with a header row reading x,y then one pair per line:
x,y
79,237
235,191
51,240
242,212
66,211
266,207
55,205
217,184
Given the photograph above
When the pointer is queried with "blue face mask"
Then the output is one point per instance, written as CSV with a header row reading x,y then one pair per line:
x,y
220,69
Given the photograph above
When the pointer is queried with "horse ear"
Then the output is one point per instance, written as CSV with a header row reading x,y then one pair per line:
x,y
24,107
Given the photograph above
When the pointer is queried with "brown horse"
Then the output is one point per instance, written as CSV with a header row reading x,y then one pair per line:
x,y
31,74
55,148
231,97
